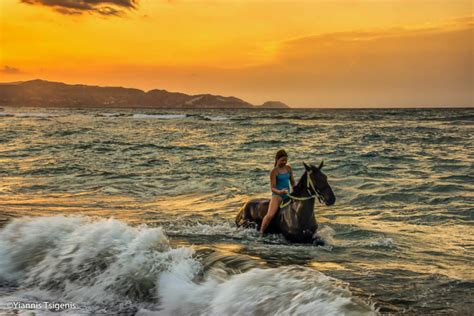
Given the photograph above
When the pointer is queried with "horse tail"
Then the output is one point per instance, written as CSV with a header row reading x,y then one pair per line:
x,y
241,219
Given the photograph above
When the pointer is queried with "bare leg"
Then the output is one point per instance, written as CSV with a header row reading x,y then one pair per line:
x,y
272,209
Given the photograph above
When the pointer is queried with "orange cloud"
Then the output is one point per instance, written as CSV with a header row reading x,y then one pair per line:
x,y
431,66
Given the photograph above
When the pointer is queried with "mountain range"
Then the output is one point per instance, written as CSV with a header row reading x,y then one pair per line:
x,y
42,93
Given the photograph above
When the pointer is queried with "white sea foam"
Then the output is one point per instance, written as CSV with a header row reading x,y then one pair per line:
x,y
38,115
382,242
226,229
110,189
108,114
290,290
379,242
216,118
326,233
159,116
85,261
107,265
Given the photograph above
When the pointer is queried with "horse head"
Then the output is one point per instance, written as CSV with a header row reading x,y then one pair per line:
x,y
298,222
320,182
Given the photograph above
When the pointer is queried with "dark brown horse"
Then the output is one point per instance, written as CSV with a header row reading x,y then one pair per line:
x,y
295,216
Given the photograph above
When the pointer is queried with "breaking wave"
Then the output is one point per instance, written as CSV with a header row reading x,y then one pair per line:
x,y
109,266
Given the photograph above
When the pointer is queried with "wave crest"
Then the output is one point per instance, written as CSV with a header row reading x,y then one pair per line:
x,y
107,265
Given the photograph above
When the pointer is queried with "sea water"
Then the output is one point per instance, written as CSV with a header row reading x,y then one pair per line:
x,y
132,211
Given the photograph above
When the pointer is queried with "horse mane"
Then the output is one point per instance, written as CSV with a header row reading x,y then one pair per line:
x,y
301,185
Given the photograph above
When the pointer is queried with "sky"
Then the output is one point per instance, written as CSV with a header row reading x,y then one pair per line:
x,y
311,53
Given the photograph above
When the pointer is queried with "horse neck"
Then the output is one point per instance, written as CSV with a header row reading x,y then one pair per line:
x,y
303,208
301,189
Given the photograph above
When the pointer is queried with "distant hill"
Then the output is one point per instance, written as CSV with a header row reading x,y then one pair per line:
x,y
273,105
41,93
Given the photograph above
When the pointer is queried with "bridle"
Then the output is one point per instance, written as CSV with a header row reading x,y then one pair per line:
x,y
309,185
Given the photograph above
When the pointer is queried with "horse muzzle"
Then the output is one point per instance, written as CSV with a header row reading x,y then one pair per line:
x,y
331,201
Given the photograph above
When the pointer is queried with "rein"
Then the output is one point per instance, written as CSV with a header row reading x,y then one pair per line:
x,y
309,184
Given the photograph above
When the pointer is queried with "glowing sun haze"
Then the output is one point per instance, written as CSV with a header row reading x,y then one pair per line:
x,y
338,53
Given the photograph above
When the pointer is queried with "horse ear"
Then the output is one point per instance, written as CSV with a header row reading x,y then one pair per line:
x,y
321,165
308,168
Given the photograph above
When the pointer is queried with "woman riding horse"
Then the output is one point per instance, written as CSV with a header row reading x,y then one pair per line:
x,y
294,217
280,178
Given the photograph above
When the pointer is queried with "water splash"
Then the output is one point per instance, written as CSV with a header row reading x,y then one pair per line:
x,y
98,263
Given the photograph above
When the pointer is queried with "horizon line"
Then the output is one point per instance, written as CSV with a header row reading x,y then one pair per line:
x,y
256,106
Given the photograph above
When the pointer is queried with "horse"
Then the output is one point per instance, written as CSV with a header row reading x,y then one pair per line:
x,y
295,216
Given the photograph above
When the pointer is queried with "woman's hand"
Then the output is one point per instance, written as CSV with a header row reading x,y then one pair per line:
x,y
284,191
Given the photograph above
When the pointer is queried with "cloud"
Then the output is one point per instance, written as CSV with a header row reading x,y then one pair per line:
x,y
420,65
10,70
77,7
311,46
428,65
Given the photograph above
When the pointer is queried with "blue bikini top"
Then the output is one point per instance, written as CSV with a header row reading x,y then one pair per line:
x,y
283,181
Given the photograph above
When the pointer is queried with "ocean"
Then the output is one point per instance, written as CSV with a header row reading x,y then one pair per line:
x,y
132,211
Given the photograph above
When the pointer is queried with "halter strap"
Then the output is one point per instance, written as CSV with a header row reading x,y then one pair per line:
x,y
309,184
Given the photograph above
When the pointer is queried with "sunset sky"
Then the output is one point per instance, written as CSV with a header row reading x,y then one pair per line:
x,y
332,53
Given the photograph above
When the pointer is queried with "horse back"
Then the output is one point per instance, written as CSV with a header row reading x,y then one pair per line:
x,y
253,211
